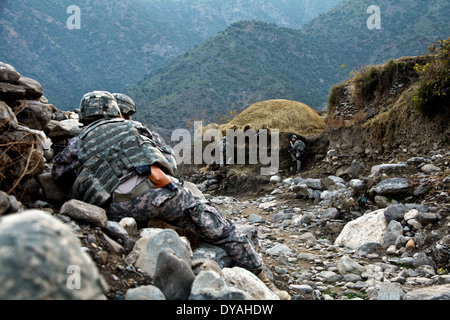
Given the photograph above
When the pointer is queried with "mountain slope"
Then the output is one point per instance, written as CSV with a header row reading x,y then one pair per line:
x,y
252,61
121,40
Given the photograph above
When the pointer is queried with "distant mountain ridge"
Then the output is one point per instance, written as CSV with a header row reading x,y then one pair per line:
x,y
253,61
120,41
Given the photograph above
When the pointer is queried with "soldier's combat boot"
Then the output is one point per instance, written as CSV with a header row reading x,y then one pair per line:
x,y
283,295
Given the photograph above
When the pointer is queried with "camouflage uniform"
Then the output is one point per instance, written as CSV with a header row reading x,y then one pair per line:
x,y
160,142
183,209
179,207
296,152
128,108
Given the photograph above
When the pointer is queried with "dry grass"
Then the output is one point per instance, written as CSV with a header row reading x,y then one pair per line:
x,y
284,115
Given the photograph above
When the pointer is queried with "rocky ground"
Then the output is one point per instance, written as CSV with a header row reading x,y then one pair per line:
x,y
301,222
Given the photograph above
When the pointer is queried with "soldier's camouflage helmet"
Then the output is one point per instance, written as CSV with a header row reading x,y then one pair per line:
x,y
126,104
97,105
41,259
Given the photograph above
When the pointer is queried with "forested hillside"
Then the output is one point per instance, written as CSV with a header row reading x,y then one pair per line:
x,y
119,41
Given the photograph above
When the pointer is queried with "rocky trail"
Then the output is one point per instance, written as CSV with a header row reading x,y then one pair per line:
x,y
389,251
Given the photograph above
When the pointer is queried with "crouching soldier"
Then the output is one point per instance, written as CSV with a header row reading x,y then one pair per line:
x,y
125,173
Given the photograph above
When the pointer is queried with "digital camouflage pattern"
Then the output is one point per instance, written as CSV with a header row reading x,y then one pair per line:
x,y
296,152
96,105
160,142
126,104
108,150
41,259
128,108
183,209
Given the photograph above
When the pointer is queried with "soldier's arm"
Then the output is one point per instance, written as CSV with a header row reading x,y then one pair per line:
x,y
66,163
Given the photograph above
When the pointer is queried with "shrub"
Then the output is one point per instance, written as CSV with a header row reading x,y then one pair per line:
x,y
433,94
336,95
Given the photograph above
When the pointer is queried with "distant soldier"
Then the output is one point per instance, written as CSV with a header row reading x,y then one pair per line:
x,y
124,172
296,150
225,158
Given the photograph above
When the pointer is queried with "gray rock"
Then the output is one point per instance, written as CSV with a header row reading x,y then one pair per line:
x,y
367,228
200,265
149,247
347,265
393,231
301,288
52,191
34,114
439,292
113,245
430,168
65,128
314,184
330,276
275,179
245,280
417,160
279,250
388,168
144,293
395,212
351,277
358,185
115,230
32,87
173,275
301,190
9,91
426,218
390,291
369,248
393,186
4,202
208,285
421,259
8,120
41,258
329,214
85,212
129,224
254,218
281,216
8,73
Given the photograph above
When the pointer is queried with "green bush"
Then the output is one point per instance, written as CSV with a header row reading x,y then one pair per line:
x,y
335,96
433,94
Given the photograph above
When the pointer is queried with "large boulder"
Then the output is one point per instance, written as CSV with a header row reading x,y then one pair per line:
x,y
8,73
148,248
370,227
34,114
41,258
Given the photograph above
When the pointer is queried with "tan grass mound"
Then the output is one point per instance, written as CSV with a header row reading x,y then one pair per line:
x,y
284,115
